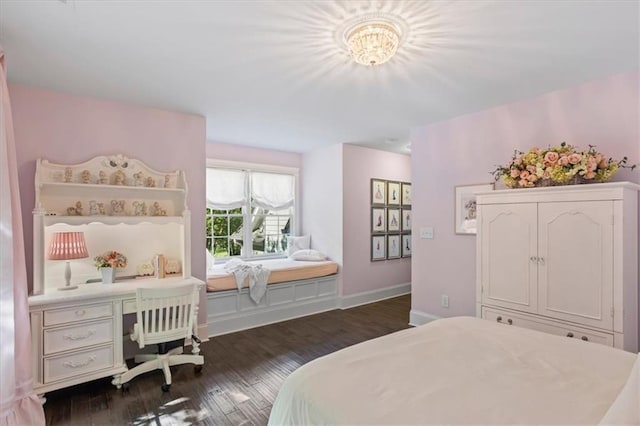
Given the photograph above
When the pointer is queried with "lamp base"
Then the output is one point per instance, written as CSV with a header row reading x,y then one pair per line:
x,y
68,287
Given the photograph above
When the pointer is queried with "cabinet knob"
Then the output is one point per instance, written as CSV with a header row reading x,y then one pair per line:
x,y
499,319
80,312
569,334
510,321
585,338
533,259
541,260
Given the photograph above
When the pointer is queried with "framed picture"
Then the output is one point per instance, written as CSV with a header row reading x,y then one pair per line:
x,y
406,194
378,192
378,248
406,245
393,220
378,219
406,220
465,208
393,246
393,193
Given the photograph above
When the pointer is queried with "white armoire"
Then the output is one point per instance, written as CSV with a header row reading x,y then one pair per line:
x,y
562,260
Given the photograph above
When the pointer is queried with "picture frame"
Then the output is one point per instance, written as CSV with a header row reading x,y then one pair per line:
x,y
393,193
393,220
378,248
406,245
394,250
378,192
406,194
378,220
465,207
406,220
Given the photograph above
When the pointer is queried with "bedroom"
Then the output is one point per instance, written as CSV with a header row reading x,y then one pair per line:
x,y
592,102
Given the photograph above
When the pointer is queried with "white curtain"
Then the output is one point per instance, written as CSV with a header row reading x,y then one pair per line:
x,y
272,191
226,189
18,404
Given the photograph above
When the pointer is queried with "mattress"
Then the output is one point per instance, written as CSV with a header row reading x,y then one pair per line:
x,y
457,371
281,270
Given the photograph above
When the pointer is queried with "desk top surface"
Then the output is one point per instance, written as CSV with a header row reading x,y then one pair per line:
x,y
119,290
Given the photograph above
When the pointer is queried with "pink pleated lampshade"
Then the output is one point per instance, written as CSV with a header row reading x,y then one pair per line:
x,y
67,246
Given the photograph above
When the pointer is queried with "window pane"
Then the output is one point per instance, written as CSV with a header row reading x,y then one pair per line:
x,y
220,226
220,247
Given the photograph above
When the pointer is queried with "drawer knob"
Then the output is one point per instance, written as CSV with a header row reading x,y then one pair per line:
x,y
499,319
510,321
585,338
80,312
569,334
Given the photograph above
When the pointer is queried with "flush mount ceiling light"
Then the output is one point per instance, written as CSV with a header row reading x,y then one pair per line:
x,y
372,39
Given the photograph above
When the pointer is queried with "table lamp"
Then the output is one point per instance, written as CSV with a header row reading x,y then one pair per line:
x,y
67,246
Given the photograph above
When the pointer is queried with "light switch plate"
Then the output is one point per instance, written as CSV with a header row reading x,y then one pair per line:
x,y
426,232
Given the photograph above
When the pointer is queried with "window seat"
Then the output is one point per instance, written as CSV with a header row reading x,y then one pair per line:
x,y
282,270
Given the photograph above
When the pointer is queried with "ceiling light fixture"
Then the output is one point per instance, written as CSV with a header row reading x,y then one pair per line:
x,y
372,39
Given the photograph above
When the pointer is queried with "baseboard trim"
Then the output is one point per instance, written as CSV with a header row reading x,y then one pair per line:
x,y
367,297
417,318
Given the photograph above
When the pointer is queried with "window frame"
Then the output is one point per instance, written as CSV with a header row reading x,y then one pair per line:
x,y
246,210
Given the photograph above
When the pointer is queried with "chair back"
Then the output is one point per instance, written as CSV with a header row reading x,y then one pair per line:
x,y
165,314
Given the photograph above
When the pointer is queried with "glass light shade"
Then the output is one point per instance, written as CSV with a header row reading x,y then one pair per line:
x,y
67,246
373,42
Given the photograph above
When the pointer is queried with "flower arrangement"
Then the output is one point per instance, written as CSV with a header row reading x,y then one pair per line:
x,y
110,259
558,165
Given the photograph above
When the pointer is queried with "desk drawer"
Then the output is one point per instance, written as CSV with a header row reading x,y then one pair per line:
x,y
78,313
78,336
547,326
82,362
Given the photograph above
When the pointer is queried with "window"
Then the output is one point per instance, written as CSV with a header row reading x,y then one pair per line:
x,y
250,212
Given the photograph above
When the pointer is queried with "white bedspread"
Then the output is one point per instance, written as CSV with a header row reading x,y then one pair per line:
x,y
257,275
457,371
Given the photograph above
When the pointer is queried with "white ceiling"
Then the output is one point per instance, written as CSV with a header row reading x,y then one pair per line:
x,y
270,74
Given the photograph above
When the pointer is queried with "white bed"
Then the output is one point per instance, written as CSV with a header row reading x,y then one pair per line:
x,y
463,371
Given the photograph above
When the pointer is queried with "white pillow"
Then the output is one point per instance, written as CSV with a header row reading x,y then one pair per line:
x,y
298,243
210,260
308,254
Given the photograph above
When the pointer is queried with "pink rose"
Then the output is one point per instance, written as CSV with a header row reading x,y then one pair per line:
x,y
515,173
523,182
517,161
551,158
603,164
574,158
592,164
532,177
590,175
524,174
563,161
547,173
531,169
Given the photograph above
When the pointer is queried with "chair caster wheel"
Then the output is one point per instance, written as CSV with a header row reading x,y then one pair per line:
x,y
125,387
197,369
166,387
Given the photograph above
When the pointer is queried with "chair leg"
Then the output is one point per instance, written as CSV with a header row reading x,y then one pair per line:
x,y
166,370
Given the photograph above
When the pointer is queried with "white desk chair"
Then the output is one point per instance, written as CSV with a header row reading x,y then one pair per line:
x,y
165,316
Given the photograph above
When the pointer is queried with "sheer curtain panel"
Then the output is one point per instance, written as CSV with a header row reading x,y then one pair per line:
x,y
18,404
226,189
272,191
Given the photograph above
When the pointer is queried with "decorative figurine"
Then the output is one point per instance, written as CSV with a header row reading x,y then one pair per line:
x,y
139,208
172,266
93,208
68,175
150,182
146,269
117,207
119,177
85,176
75,211
156,210
101,210
102,178
169,181
138,179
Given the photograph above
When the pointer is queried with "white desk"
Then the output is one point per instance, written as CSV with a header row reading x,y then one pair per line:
x,y
77,335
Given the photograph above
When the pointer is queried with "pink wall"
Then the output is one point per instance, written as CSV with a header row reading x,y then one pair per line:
x,y
359,166
229,152
463,151
64,128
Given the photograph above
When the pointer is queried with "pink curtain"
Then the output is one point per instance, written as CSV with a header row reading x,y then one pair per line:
x,y
18,404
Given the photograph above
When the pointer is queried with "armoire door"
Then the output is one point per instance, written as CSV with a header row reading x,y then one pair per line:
x,y
575,271
509,248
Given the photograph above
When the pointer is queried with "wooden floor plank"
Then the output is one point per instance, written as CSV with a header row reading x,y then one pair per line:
x,y
240,379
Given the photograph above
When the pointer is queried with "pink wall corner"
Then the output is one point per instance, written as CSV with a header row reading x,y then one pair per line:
x,y
360,165
65,128
465,149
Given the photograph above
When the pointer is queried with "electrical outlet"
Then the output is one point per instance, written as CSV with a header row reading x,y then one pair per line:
x,y
444,301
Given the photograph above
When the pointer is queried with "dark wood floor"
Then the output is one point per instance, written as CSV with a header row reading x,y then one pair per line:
x,y
241,377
